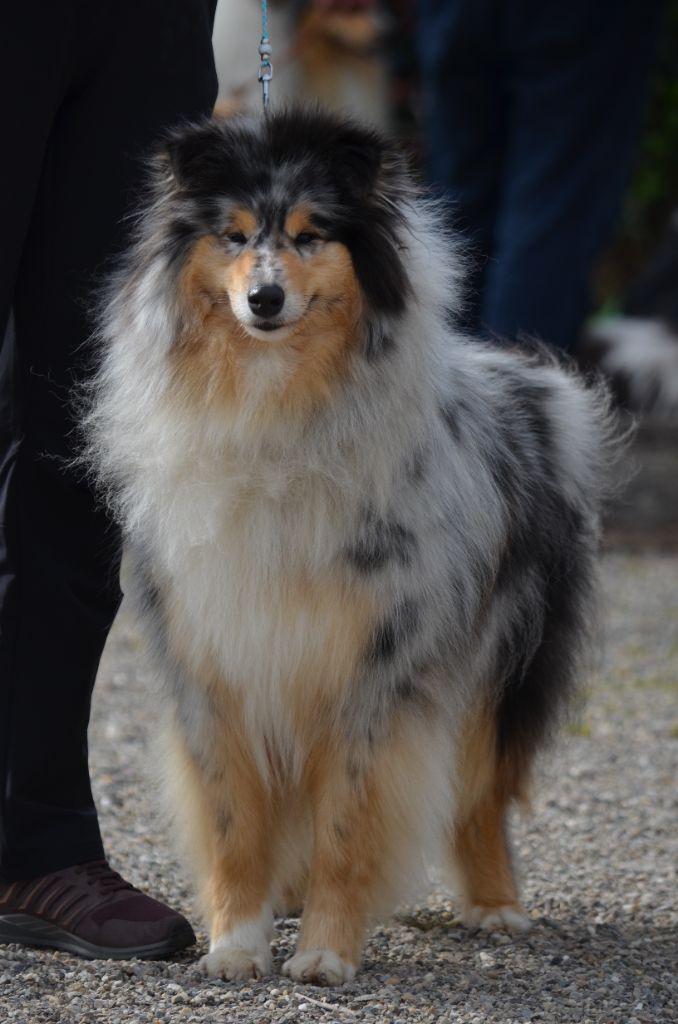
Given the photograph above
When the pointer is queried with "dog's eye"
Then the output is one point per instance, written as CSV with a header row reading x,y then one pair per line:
x,y
305,238
237,238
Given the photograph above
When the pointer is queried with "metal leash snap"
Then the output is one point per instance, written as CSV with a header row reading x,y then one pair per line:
x,y
265,69
265,51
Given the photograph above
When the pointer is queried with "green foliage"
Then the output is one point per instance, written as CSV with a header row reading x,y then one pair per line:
x,y
654,189
653,193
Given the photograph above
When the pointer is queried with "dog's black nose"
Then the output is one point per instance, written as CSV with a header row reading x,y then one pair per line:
x,y
266,300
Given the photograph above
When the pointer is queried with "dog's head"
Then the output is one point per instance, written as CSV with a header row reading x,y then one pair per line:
x,y
289,222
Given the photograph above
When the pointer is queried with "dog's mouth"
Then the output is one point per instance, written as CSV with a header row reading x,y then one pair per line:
x,y
279,326
273,330
269,325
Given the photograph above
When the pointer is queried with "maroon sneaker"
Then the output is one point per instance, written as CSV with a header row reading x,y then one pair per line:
x,y
91,911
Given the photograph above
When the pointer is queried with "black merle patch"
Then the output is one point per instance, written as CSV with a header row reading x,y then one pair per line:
x,y
543,642
417,464
409,690
505,463
381,542
450,417
390,692
393,633
456,414
521,458
378,343
530,399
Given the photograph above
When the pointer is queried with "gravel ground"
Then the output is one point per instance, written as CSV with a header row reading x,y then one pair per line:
x,y
599,854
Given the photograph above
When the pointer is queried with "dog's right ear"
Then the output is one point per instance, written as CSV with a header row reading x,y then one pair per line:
x,y
187,153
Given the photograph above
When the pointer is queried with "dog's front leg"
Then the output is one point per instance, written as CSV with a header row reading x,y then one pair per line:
x,y
238,884
344,871
228,818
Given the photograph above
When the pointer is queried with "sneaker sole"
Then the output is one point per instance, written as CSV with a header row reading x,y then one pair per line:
x,y
25,930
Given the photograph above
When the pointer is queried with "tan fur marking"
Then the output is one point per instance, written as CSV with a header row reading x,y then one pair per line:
x,y
230,818
363,818
339,622
208,359
477,762
202,283
192,802
482,854
230,813
349,836
297,221
211,358
242,220
241,877
239,271
226,786
480,846
329,331
357,810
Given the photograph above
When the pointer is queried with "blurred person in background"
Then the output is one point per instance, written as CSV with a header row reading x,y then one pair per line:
x,y
85,89
533,110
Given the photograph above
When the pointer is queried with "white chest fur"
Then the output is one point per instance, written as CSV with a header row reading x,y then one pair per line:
x,y
256,584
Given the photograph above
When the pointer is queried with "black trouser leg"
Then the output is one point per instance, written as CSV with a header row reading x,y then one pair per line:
x,y
113,75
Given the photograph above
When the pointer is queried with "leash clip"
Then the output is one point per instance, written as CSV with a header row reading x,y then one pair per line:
x,y
265,68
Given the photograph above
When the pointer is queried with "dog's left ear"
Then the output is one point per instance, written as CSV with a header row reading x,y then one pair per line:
x,y
372,179
182,152
363,161
357,163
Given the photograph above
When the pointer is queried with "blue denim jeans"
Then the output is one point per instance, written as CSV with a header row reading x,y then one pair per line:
x,y
533,110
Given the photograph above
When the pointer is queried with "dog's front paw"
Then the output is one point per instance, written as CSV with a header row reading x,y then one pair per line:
x,y
319,967
235,964
491,919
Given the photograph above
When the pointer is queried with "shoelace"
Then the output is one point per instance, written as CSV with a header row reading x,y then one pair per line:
x,y
98,873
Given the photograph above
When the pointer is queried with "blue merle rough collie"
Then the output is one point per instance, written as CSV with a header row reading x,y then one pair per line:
x,y
364,545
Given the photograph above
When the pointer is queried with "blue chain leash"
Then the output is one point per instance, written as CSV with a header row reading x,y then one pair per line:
x,y
265,50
